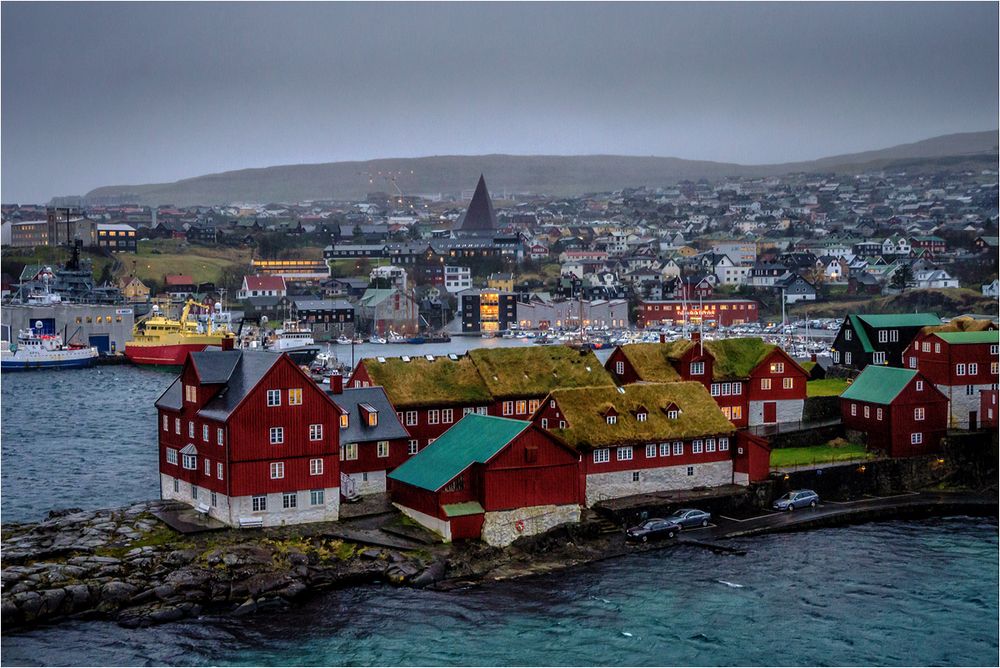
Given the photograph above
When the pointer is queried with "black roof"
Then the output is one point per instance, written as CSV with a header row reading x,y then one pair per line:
x,y
251,366
389,426
215,367
480,214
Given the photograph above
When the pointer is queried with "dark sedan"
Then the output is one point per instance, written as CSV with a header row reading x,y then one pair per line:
x,y
652,529
689,518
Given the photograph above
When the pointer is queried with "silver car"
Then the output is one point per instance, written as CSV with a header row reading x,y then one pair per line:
x,y
689,518
799,498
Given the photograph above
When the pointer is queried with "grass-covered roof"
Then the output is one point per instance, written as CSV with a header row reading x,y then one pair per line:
x,y
534,371
421,383
587,428
734,358
960,325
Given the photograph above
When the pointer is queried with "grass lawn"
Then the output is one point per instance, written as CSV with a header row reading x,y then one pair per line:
x,y
174,256
828,387
816,454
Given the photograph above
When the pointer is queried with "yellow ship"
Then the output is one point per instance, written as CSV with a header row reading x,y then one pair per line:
x,y
159,340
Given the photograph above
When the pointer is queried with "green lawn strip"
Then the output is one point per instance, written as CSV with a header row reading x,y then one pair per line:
x,y
816,454
828,387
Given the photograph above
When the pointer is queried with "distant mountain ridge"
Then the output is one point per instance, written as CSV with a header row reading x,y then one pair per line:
x,y
552,174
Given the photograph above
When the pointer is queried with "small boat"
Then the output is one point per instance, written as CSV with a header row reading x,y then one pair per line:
x,y
440,337
297,341
357,340
395,338
377,339
34,350
416,339
343,341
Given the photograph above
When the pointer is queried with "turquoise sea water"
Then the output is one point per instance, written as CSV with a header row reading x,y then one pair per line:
x,y
892,593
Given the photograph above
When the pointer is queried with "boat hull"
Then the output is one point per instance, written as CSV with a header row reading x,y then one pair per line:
x,y
301,355
27,365
163,355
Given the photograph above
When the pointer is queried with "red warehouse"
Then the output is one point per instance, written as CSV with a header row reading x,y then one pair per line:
x,y
753,382
899,410
721,312
249,439
490,477
642,438
962,365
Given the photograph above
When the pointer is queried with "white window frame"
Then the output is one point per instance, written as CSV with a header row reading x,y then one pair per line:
x,y
219,471
189,462
777,367
919,414
602,456
508,408
277,470
273,398
678,448
433,416
413,447
765,383
650,450
316,432
664,449
724,444
219,436
447,415
411,418
317,497
611,419
382,449
172,456
295,396
259,503
847,357
350,451
788,383
276,435
316,466
624,453
916,438
696,446
697,369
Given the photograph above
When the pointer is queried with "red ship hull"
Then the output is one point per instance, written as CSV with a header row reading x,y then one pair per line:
x,y
166,355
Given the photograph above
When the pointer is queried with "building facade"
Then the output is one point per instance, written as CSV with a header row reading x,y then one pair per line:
x,y
877,339
722,312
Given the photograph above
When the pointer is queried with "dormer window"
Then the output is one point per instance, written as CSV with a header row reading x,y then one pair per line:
x,y
612,419
190,393
369,415
672,414
640,417
345,420
697,368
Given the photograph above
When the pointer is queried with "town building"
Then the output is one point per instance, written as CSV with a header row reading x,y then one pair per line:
x,y
457,279
134,290
866,339
384,310
479,219
598,313
106,327
262,286
29,234
249,439
898,411
116,237
491,478
721,312
327,318
487,310
642,438
753,382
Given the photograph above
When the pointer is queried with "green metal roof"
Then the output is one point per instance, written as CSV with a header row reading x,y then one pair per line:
x,y
861,333
901,320
462,509
970,337
878,384
474,438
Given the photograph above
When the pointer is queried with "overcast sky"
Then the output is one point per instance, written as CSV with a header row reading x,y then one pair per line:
x,y
102,94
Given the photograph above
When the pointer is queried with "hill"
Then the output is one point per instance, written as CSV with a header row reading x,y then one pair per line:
x,y
551,174
946,302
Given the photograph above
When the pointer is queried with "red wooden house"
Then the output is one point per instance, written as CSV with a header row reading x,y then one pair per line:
x,y
899,410
753,382
432,395
962,365
249,439
491,478
642,438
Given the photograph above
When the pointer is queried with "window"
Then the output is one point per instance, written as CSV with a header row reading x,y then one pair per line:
x,y
411,418
190,462
508,408
382,448
650,450
624,454
349,452
545,423
678,448
412,447
194,492
959,369
868,411
345,420
995,349
204,432
696,446
672,414
602,455
878,358
316,497
277,435
920,386
765,383
456,485
177,485
848,334
635,476
171,456
970,390
697,368
433,416
481,410
562,424
316,466
620,368
727,389
916,439
447,415
612,419
190,393
664,449
640,417
737,388
166,423
552,403
723,444
878,413
847,357
315,432
894,335
214,500
715,390
690,470
521,407
836,357
709,445
274,397
913,362
788,383
937,347
218,435
925,346
259,503
295,396
973,369
208,467
218,471
883,336
465,411
777,367
277,470
190,429
372,418
854,409
289,500
994,368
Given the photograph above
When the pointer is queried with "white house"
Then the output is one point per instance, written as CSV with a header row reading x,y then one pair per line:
x,y
457,279
992,289
263,286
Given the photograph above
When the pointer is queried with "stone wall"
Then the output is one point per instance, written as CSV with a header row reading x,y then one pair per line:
x,y
375,483
617,484
502,528
787,410
962,403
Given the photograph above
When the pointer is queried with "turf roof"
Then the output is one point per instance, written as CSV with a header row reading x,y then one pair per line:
x,y
652,361
534,371
960,325
878,384
421,383
586,427
734,358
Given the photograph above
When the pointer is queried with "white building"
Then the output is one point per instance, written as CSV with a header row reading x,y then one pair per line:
x,y
457,279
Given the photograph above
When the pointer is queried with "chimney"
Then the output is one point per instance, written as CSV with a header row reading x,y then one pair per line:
x,y
695,337
663,337
336,384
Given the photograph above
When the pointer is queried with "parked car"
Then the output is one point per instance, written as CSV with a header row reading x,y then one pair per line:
x,y
652,529
799,498
688,518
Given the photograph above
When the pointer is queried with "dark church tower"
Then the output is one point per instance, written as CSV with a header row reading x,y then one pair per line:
x,y
479,217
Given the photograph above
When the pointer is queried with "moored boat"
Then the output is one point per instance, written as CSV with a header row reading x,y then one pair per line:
x,y
34,350
161,341
297,341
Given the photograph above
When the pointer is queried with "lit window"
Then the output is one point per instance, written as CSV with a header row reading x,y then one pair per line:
x,y
274,397
190,429
878,358
640,417
316,466
973,369
777,367
678,447
788,383
737,388
277,470
277,435
382,449
913,362
190,462
345,420
709,445
166,423
602,455
295,396
315,432
508,408
959,369
715,390
208,467
854,409
672,414
925,346
620,368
